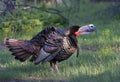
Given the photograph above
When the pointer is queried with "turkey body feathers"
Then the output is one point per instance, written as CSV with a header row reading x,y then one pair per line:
x,y
57,44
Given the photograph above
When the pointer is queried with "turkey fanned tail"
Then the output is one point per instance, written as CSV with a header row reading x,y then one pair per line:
x,y
21,49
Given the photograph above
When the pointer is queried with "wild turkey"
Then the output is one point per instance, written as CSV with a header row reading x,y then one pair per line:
x,y
50,45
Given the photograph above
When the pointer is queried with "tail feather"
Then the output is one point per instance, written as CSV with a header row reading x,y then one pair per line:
x,y
17,58
19,48
15,50
13,47
18,53
25,57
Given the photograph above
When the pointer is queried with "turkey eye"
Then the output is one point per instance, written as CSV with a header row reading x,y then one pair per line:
x,y
91,27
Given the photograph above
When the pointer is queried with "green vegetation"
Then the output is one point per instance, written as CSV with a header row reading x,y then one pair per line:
x,y
27,23
99,59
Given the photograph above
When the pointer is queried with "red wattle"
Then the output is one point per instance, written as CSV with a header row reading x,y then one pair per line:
x,y
77,33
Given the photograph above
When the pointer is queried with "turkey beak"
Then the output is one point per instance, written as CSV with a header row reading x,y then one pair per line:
x,y
87,29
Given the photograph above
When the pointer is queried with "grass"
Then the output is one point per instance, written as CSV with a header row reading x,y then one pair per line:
x,y
99,59
89,67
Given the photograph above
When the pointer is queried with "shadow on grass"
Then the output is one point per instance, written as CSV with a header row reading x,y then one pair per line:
x,y
20,80
103,77
29,73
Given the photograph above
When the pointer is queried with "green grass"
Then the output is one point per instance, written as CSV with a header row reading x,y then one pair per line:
x,y
89,67
99,59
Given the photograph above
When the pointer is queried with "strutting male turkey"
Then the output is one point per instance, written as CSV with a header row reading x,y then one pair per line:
x,y
50,45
